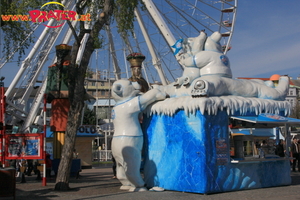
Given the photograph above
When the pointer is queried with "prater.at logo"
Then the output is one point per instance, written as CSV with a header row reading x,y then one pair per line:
x,y
43,16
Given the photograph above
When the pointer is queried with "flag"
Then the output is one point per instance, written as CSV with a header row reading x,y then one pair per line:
x,y
177,46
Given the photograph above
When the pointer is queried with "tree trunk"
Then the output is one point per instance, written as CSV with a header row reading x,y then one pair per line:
x,y
62,181
76,96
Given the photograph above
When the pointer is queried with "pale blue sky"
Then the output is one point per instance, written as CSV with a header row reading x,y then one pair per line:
x,y
266,40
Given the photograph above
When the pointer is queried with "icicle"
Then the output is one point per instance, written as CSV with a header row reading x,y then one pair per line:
x,y
219,104
202,107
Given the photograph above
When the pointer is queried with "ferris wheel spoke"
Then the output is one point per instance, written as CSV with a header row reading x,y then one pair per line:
x,y
180,12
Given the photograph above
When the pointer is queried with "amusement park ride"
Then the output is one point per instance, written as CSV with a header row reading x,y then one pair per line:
x,y
25,119
160,26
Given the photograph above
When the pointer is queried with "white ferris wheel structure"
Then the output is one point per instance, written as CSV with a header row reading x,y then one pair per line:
x,y
157,27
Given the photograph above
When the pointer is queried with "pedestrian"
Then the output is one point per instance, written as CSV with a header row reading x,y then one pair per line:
x,y
12,163
22,165
48,165
279,150
114,166
75,154
18,167
264,149
295,154
35,166
29,167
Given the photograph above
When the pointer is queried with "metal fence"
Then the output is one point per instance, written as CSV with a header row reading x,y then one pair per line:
x,y
101,155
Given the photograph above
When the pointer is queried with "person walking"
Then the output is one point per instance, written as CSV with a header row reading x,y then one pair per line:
x,y
29,167
48,165
295,153
114,166
280,149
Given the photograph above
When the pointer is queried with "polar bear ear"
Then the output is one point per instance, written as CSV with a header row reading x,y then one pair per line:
x,y
213,43
118,89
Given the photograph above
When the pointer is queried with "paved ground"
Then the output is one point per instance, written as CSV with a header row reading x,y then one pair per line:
x,y
97,183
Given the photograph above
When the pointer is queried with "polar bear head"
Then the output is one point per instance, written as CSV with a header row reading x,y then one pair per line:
x,y
213,43
123,89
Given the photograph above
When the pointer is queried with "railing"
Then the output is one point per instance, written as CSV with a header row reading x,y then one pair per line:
x,y
101,155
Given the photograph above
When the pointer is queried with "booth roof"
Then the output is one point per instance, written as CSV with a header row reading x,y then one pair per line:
x,y
268,118
85,133
264,118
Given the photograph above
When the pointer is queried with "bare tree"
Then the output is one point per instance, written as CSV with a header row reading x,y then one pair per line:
x,y
296,110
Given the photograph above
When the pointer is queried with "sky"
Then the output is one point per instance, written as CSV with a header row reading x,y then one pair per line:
x,y
266,40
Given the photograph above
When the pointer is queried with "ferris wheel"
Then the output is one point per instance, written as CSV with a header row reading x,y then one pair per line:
x,y
166,21
157,27
185,18
180,19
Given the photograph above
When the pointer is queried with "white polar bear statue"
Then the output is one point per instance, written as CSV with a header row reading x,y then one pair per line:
x,y
128,136
202,56
207,73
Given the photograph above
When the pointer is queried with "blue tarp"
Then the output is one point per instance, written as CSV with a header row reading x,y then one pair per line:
x,y
85,131
268,118
264,118
263,132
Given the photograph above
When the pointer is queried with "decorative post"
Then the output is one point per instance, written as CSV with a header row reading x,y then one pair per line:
x,y
57,95
136,60
2,122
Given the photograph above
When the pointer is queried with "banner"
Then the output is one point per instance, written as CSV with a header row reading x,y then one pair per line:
x,y
25,146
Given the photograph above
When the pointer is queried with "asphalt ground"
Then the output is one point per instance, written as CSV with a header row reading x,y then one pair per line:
x,y
97,183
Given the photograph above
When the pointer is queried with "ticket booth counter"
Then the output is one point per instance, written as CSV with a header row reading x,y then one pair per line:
x,y
242,146
247,143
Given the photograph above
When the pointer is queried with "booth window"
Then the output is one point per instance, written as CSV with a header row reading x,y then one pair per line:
x,y
249,146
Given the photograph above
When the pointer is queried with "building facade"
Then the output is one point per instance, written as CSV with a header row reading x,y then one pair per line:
x,y
98,85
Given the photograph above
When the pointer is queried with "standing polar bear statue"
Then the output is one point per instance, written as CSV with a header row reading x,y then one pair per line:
x,y
128,140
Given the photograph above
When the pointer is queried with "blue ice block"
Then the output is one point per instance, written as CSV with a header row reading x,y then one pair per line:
x,y
190,153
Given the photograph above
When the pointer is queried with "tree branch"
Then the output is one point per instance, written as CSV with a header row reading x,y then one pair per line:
x,y
78,40
80,5
103,18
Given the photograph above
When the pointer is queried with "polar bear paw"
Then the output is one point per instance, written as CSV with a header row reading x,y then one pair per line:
x,y
125,187
185,81
138,189
178,81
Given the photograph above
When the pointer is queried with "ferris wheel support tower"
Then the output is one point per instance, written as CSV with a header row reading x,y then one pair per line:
x,y
161,24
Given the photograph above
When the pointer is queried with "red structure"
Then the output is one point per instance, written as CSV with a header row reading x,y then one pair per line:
x,y
2,123
58,95
19,145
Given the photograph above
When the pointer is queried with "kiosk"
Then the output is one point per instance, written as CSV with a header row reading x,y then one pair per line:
x,y
198,153
187,143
